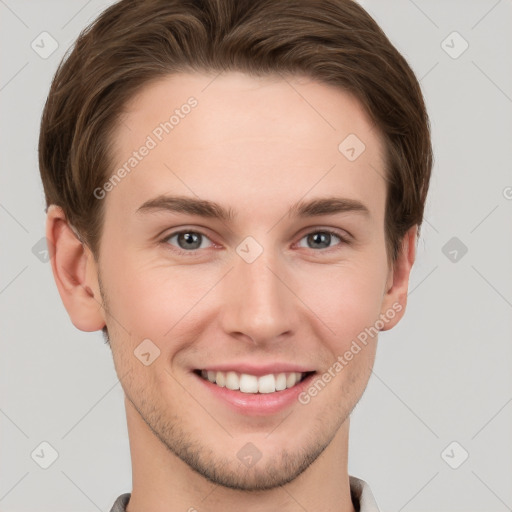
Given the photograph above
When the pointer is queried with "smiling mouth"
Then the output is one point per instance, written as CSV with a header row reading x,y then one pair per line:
x,y
246,383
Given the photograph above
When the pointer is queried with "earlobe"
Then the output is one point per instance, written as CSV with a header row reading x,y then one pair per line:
x,y
71,261
395,298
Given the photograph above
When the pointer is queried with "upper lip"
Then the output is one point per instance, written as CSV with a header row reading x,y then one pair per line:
x,y
258,370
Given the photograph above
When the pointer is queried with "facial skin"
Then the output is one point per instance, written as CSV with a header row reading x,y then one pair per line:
x,y
256,146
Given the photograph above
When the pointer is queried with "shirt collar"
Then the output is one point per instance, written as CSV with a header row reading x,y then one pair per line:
x,y
362,496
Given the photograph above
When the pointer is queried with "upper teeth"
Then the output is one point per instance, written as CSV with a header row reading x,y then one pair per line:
x,y
250,383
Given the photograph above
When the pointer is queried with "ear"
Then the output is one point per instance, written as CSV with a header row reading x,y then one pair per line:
x,y
397,285
75,273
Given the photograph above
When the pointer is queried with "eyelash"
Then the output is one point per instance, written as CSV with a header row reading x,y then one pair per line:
x,y
194,252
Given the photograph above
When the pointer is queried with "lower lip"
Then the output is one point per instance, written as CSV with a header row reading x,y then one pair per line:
x,y
257,404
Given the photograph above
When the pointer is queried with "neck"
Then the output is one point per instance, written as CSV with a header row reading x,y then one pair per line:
x,y
162,482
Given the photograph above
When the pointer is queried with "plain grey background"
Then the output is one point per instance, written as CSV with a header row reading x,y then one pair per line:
x,y
433,429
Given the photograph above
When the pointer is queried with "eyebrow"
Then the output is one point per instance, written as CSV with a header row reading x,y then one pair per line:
x,y
209,209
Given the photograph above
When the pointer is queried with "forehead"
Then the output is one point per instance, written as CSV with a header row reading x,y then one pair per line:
x,y
220,136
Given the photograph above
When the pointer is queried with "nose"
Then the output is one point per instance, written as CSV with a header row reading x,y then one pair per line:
x,y
259,303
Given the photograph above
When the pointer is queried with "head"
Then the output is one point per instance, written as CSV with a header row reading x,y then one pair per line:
x,y
252,116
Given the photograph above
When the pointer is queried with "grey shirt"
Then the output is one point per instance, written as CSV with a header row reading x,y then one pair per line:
x,y
360,491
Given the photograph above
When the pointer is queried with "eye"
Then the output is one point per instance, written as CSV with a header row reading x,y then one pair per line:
x,y
321,239
187,241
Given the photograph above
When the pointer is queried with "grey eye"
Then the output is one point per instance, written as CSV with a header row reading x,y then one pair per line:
x,y
187,240
320,239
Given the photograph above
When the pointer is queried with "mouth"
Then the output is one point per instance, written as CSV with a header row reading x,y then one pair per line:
x,y
251,384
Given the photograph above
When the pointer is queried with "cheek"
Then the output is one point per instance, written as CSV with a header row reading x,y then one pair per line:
x,y
347,297
153,296
162,303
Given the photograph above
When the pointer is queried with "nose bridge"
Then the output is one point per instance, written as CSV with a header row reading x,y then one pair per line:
x,y
258,303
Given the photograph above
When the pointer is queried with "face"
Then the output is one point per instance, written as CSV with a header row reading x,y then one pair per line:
x,y
272,287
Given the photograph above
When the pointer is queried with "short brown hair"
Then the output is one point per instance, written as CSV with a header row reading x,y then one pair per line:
x,y
133,42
